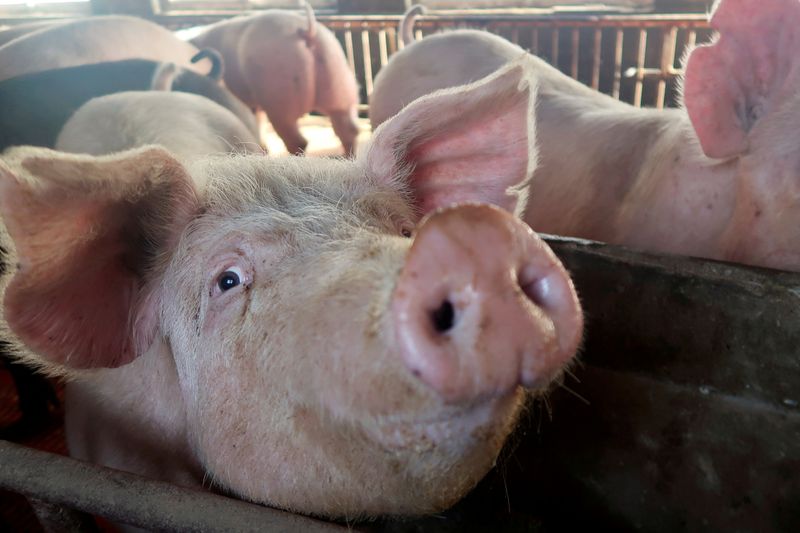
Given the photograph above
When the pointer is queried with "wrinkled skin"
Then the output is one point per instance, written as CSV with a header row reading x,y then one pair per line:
x,y
716,179
190,125
287,65
342,338
94,40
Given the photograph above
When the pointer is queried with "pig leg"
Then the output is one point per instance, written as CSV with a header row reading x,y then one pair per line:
x,y
289,132
345,126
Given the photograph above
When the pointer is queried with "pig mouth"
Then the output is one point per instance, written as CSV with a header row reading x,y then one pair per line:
x,y
457,429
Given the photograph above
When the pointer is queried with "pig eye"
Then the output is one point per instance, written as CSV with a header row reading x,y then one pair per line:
x,y
229,279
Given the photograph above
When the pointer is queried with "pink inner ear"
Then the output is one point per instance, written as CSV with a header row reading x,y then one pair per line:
x,y
85,230
76,323
474,161
732,83
474,143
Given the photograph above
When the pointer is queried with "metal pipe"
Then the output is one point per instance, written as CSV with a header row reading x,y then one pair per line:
x,y
134,500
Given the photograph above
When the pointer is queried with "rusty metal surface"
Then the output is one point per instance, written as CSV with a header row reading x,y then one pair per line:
x,y
133,500
689,389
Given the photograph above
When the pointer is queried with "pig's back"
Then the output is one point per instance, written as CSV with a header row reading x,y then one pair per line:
x,y
437,62
95,40
188,125
36,106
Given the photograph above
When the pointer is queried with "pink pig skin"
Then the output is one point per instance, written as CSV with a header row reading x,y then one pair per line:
x,y
287,65
337,337
94,40
718,179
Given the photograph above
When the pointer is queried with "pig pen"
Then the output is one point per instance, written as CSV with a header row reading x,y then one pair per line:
x,y
683,411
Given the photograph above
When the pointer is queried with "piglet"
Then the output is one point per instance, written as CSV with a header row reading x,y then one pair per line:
x,y
337,337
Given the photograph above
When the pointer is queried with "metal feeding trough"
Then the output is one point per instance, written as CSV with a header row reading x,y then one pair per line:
x,y
682,414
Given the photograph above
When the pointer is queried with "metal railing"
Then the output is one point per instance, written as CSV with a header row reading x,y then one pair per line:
x,y
634,58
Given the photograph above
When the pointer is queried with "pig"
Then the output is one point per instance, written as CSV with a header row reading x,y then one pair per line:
x,y
187,124
417,69
18,30
714,179
337,337
36,106
287,65
95,40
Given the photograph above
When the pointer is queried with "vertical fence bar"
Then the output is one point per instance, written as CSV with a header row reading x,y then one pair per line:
x,y
691,39
554,46
576,46
392,38
383,50
596,50
668,45
366,55
515,34
348,47
618,43
535,40
640,57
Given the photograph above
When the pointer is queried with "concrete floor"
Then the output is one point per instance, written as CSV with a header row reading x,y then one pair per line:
x,y
322,141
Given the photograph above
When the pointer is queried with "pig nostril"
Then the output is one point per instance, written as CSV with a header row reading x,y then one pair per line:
x,y
537,291
443,317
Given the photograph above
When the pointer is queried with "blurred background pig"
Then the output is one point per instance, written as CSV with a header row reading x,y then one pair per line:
x,y
715,179
337,337
36,106
92,40
287,65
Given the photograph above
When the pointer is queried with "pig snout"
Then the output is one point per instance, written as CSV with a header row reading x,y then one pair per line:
x,y
483,305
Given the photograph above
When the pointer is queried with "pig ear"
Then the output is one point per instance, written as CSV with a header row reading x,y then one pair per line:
x,y
732,83
85,231
470,143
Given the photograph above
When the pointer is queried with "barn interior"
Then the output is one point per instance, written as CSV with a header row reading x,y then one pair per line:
x,y
680,412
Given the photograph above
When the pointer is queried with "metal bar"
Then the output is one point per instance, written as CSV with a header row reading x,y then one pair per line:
x,y
575,52
554,47
366,56
58,519
596,58
382,48
134,500
618,43
515,35
535,40
393,44
640,57
668,45
348,48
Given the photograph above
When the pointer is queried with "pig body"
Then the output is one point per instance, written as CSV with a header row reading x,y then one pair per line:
x,y
95,40
18,30
36,106
712,180
287,65
189,125
418,69
199,310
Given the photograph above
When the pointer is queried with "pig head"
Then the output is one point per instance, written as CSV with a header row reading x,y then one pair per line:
x,y
288,65
336,337
742,94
